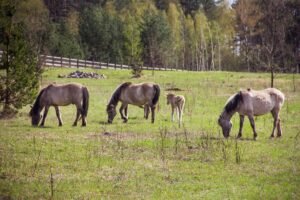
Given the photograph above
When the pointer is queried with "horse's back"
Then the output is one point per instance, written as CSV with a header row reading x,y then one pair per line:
x,y
138,94
65,94
260,102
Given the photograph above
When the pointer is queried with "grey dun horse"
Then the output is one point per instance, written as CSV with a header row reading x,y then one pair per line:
x,y
143,95
60,95
252,103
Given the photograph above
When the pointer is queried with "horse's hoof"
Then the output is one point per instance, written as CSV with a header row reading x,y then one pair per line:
x,y
83,125
59,124
74,125
125,121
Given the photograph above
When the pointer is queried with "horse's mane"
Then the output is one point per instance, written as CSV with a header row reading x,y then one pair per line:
x,y
36,105
116,95
233,102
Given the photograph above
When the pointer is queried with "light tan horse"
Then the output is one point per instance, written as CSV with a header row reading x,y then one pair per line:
x,y
252,103
143,95
177,103
60,95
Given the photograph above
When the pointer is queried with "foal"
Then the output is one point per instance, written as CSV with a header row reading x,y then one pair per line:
x,y
177,102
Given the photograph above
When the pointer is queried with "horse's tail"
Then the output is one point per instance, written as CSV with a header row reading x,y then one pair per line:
x,y
85,101
156,95
36,105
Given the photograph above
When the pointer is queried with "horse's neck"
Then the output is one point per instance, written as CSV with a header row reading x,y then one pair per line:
x,y
113,102
227,115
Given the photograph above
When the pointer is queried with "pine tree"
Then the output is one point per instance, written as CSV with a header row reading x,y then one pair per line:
x,y
20,82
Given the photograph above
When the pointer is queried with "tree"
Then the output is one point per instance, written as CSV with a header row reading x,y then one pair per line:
x,y
64,42
155,35
263,27
21,45
176,26
102,33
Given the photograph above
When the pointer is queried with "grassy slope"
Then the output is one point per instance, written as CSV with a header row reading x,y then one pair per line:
x,y
160,161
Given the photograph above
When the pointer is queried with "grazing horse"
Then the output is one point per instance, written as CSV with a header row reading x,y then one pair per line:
x,y
143,95
177,102
252,103
60,95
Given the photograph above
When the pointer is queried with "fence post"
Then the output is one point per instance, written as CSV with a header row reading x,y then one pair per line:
x,y
70,62
77,63
52,61
61,62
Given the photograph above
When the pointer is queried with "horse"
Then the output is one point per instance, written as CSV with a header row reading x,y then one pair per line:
x,y
145,95
252,103
177,102
60,95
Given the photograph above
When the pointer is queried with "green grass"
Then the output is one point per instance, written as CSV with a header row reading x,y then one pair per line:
x,y
140,160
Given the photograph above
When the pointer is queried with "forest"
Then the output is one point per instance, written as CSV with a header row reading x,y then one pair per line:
x,y
200,35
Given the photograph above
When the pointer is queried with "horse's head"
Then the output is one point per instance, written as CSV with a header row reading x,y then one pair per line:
x,y
35,117
111,112
169,98
226,126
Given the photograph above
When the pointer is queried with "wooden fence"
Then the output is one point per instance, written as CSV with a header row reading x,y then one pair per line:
x,y
54,61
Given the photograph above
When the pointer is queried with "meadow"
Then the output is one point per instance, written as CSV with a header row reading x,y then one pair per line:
x,y
140,160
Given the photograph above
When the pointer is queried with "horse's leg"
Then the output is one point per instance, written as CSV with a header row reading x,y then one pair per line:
x,y
172,114
126,111
279,132
45,115
179,115
121,113
242,117
251,119
146,111
275,123
77,116
152,114
83,119
58,115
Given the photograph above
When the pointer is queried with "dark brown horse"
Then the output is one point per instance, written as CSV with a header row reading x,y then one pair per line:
x,y
143,94
60,95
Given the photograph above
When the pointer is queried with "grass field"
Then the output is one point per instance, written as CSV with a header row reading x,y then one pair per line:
x,y
140,160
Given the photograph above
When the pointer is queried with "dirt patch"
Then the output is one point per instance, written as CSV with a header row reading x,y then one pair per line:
x,y
174,89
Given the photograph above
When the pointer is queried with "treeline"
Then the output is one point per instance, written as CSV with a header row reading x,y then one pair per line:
x,y
168,33
256,35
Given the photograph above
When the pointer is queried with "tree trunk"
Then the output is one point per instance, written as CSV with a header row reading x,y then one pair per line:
x,y
6,64
212,65
219,53
272,77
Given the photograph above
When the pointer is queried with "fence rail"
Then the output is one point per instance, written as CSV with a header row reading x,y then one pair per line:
x,y
55,61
